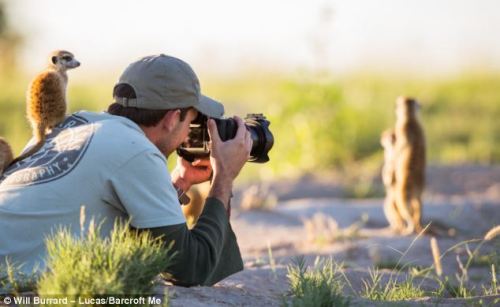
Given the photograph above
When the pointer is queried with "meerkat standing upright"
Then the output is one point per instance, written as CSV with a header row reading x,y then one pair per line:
x,y
5,155
409,163
46,98
388,142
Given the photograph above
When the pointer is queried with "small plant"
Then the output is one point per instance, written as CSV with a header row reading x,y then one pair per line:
x,y
392,290
125,263
461,288
13,281
258,197
486,260
323,229
319,286
272,262
494,288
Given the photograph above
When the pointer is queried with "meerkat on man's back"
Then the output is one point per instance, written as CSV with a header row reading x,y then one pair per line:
x,y
46,98
410,163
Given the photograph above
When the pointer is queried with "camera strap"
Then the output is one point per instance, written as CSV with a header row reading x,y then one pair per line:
x,y
182,196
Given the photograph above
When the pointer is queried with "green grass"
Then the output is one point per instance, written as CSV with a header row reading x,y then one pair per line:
x,y
403,282
460,286
13,281
125,263
391,290
488,259
319,286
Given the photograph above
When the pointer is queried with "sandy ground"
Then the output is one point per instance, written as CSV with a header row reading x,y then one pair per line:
x,y
465,201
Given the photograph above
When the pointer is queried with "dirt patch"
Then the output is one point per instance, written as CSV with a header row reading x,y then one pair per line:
x,y
463,200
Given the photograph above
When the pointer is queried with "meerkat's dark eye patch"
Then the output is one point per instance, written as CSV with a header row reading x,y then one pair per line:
x,y
67,58
54,59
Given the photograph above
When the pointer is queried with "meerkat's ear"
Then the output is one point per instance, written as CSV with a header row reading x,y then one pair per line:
x,y
54,60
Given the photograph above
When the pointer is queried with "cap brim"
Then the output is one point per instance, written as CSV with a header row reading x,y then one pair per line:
x,y
210,107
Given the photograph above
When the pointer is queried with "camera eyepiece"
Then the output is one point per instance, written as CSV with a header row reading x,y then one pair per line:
x,y
197,144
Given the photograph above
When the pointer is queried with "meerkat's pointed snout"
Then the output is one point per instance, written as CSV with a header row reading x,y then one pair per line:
x,y
75,64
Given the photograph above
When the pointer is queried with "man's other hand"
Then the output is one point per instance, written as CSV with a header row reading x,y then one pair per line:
x,y
188,173
227,158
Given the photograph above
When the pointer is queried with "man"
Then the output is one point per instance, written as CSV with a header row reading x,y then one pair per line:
x,y
115,165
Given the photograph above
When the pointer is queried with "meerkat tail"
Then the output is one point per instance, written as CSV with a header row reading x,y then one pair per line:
x,y
39,133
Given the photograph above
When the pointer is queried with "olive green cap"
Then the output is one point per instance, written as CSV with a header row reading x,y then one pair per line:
x,y
163,82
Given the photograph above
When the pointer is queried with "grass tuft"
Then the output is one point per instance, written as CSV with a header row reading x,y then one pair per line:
x,y
392,290
321,285
258,197
125,263
322,229
13,281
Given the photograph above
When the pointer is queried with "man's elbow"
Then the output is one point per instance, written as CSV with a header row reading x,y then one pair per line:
x,y
188,271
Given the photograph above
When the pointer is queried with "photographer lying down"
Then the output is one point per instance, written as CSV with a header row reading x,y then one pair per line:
x,y
114,164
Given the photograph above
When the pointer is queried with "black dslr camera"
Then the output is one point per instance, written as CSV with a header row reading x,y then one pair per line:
x,y
197,144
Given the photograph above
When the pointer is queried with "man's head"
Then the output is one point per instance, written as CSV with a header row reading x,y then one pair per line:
x,y
162,95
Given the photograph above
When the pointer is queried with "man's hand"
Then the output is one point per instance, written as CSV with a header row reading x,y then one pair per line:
x,y
227,158
186,173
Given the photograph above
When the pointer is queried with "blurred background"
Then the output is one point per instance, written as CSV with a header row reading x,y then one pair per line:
x,y
326,73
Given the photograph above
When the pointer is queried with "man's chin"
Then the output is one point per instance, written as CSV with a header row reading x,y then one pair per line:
x,y
166,153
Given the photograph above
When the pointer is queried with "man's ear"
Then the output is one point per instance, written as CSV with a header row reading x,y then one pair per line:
x,y
170,119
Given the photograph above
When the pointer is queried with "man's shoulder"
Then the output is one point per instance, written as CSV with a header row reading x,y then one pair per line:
x,y
117,136
111,123
105,118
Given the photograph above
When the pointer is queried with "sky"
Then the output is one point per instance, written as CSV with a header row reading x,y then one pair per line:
x,y
224,36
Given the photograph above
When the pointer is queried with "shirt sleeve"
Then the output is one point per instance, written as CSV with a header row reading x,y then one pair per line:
x,y
143,188
206,254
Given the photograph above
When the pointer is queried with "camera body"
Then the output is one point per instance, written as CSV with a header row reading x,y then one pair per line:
x,y
196,146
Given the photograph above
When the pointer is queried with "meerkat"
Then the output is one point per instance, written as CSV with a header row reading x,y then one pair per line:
x,y
6,155
409,164
46,98
192,211
388,141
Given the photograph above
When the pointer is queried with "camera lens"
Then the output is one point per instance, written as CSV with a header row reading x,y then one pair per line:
x,y
258,126
262,137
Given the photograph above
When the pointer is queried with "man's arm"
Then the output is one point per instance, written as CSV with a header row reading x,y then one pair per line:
x,y
201,250
209,252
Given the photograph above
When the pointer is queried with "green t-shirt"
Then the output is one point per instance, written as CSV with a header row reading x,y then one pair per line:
x,y
97,160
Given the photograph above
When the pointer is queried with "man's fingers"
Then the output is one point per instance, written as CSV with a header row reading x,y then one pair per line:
x,y
182,161
201,162
248,140
213,132
241,128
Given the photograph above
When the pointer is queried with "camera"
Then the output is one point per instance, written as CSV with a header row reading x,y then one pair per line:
x,y
196,145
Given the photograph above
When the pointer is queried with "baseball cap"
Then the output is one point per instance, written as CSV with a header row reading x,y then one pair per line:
x,y
164,82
